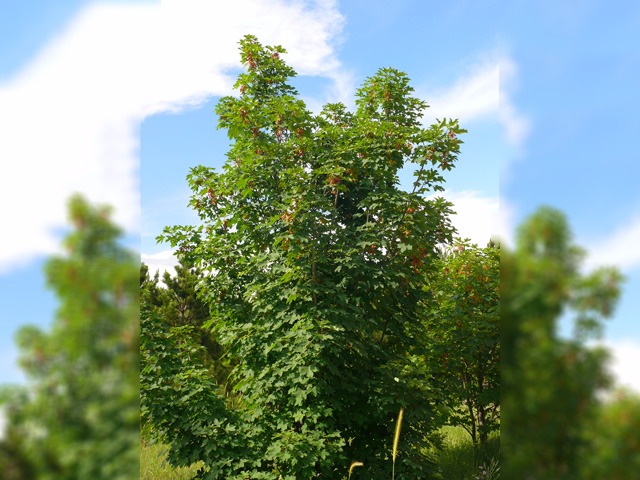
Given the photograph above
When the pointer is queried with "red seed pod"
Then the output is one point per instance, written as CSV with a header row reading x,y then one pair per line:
x,y
333,180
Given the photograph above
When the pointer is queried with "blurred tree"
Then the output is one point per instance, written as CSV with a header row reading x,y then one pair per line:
x,y
78,417
14,463
613,449
549,384
462,320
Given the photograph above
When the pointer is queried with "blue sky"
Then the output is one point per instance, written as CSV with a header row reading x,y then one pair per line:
x,y
115,99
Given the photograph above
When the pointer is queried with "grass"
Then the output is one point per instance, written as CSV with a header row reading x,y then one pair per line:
x,y
153,466
458,459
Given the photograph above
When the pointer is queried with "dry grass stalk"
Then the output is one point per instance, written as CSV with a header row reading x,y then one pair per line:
x,y
396,438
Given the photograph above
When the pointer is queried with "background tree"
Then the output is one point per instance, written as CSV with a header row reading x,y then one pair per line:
x,y
549,384
175,300
14,461
78,417
313,263
613,439
463,327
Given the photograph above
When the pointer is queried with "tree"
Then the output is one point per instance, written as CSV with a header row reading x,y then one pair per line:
x,y
176,302
78,417
463,327
313,262
549,384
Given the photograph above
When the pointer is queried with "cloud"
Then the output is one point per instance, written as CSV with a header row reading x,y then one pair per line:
x,y
70,119
477,217
484,91
624,364
474,95
161,262
619,249
505,224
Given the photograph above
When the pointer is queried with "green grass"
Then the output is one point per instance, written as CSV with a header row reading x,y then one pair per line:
x,y
459,461
153,466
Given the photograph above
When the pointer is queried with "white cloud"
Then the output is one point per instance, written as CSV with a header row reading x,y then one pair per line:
x,y
505,225
619,249
477,217
483,92
625,361
69,120
474,95
161,262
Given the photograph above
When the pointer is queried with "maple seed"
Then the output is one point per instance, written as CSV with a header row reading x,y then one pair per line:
x,y
243,114
251,62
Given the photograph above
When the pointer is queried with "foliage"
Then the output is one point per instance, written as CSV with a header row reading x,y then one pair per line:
x,y
180,396
463,325
549,384
313,264
78,417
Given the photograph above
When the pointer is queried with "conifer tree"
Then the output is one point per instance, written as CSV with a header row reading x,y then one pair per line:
x,y
78,416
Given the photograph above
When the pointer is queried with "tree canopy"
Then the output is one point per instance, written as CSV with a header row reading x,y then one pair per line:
x,y
314,264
